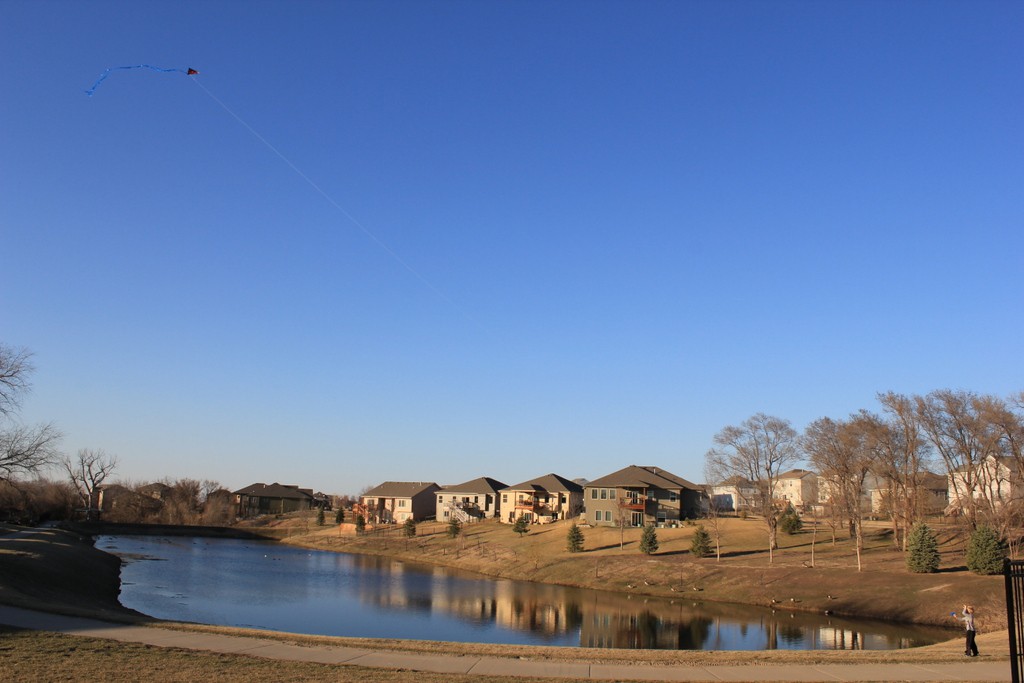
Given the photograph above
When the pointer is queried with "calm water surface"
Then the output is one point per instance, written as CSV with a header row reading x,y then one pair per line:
x,y
270,586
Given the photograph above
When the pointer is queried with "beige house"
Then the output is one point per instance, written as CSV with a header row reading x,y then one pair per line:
x,y
735,494
540,500
640,495
469,502
797,487
394,502
996,480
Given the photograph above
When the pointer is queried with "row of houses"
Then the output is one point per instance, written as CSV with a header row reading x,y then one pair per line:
x,y
995,479
633,496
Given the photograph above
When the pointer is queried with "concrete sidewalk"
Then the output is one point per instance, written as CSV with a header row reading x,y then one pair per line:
x,y
968,670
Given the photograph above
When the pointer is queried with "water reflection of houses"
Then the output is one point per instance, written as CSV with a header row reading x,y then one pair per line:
x,y
613,620
541,610
640,623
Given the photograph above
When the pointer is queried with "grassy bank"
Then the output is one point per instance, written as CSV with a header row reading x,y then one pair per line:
x,y
808,573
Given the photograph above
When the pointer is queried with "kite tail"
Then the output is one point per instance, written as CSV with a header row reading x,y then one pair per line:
x,y
103,76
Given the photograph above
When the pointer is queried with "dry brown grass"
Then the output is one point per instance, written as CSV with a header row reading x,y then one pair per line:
x,y
28,656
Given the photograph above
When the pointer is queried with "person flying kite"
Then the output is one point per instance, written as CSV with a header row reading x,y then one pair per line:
x,y
188,72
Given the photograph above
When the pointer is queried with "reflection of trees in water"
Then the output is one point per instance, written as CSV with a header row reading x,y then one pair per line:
x,y
609,619
793,635
643,628
694,634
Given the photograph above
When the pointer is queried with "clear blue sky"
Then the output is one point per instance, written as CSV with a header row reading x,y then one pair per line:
x,y
609,228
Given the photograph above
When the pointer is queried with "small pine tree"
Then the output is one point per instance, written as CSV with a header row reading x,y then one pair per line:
x,y
649,540
360,524
985,552
320,521
574,539
521,526
409,528
701,544
454,528
922,550
790,522
339,516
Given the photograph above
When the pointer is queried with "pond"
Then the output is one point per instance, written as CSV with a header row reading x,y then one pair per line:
x,y
277,587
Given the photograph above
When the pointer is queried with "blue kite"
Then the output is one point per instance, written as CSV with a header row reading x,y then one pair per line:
x,y
188,72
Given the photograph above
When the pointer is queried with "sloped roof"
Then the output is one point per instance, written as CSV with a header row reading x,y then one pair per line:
x,y
738,481
644,476
986,463
275,490
795,474
549,482
478,485
930,480
401,489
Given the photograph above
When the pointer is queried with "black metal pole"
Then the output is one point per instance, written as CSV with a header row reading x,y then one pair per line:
x,y
1012,617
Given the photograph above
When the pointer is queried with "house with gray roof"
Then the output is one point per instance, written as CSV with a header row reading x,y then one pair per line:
x,y
544,499
640,495
272,499
470,501
394,502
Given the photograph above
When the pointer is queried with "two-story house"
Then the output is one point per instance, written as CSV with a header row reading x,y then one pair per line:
x,y
470,501
993,482
272,499
735,494
640,495
797,487
544,499
394,502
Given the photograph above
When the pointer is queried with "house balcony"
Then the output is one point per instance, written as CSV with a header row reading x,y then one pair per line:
x,y
528,504
629,503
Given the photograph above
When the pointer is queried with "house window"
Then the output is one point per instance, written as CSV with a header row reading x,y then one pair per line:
x,y
607,515
593,493
401,503
504,498
440,499
604,494
672,497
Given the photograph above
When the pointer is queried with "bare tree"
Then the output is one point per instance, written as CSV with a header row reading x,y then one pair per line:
x,y
15,368
1003,480
956,424
759,450
182,503
24,450
902,458
713,477
842,453
88,472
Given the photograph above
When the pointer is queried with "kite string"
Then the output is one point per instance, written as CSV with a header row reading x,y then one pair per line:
x,y
366,231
